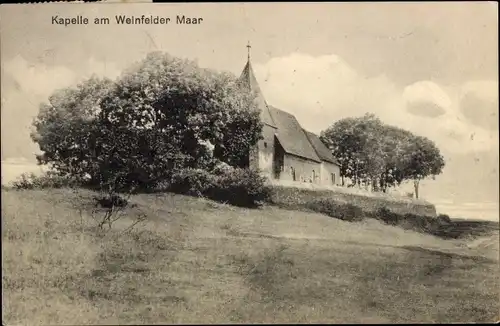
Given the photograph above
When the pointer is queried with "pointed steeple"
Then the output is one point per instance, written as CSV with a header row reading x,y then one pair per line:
x,y
249,47
248,80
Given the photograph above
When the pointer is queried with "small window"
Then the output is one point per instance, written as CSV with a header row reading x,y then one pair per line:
x,y
265,145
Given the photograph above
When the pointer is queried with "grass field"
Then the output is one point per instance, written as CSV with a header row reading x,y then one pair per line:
x,y
195,261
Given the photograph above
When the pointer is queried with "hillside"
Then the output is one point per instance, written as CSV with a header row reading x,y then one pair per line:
x,y
196,261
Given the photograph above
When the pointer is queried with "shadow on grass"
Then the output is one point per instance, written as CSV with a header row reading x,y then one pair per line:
x,y
461,228
350,284
449,255
131,261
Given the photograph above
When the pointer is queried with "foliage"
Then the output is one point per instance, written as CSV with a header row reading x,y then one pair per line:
x,y
47,180
242,131
381,155
387,216
110,207
419,223
420,159
194,182
222,168
64,127
444,219
327,206
156,118
239,187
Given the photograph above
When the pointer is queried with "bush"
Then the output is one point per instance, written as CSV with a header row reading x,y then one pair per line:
x,y
345,212
110,201
222,168
443,219
47,180
193,182
387,216
241,187
418,222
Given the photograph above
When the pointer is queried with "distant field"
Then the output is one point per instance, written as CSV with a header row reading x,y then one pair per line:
x,y
488,211
195,261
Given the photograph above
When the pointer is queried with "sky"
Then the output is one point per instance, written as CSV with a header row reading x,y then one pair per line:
x,y
431,68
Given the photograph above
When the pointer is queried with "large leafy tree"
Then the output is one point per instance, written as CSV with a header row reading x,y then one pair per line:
x,y
242,131
355,142
384,156
67,126
158,116
421,159
346,143
394,141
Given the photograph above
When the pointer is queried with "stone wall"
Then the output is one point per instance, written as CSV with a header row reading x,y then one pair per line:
x,y
296,197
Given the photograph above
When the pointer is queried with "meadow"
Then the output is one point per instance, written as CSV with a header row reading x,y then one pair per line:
x,y
196,261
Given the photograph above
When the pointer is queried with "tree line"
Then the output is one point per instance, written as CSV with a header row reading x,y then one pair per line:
x,y
380,155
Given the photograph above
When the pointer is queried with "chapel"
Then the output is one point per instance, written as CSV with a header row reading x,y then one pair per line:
x,y
287,152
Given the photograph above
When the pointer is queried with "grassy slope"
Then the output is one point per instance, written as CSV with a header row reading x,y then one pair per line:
x,y
195,261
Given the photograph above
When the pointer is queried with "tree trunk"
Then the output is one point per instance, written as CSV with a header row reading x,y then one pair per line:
x,y
356,175
415,185
375,184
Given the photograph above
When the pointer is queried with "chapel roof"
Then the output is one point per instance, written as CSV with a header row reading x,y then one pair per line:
x,y
248,80
291,136
323,152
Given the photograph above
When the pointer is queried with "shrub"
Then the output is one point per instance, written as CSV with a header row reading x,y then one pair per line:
x,y
110,201
222,168
47,180
235,186
110,207
194,182
418,222
240,187
162,186
345,212
387,216
443,219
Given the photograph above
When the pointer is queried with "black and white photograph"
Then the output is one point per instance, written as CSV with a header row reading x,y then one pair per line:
x,y
249,163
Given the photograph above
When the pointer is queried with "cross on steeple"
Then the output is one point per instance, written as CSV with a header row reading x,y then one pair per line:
x,y
249,47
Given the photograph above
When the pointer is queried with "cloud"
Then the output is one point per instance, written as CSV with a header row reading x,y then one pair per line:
x,y
426,98
321,90
479,103
39,80
24,86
